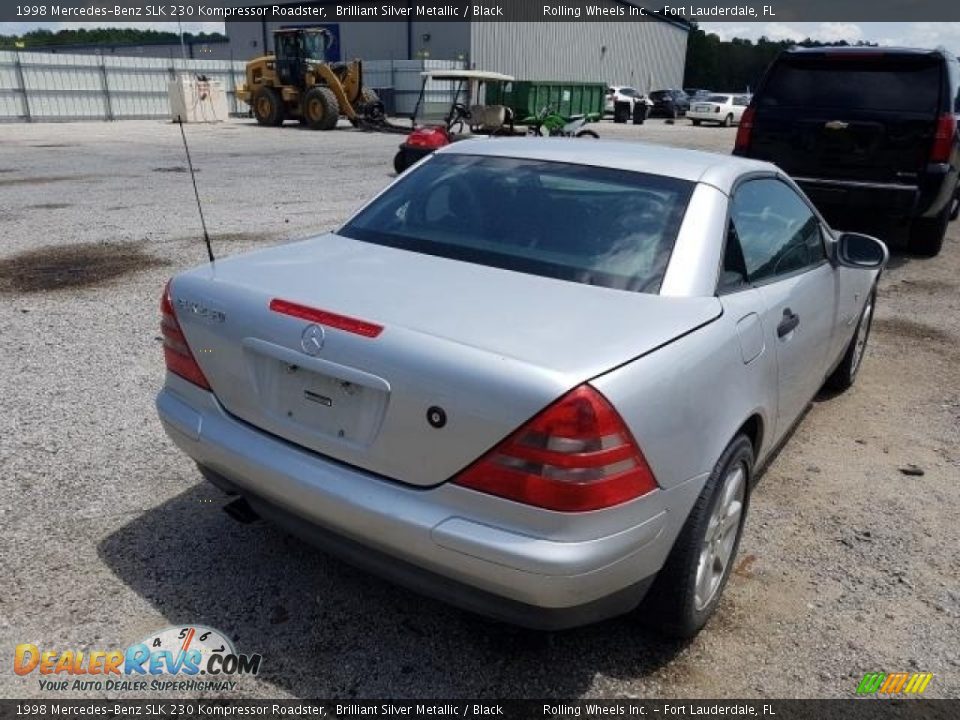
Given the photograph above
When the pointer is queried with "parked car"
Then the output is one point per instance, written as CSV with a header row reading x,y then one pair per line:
x,y
697,94
626,103
670,103
865,132
620,93
722,109
446,391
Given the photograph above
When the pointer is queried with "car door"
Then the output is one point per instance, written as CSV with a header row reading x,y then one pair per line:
x,y
784,257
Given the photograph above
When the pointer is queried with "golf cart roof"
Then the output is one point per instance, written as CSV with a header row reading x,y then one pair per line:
x,y
465,75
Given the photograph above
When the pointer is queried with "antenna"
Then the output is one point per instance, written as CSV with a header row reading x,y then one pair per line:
x,y
196,194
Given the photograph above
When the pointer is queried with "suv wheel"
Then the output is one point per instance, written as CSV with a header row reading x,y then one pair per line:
x,y
926,234
688,587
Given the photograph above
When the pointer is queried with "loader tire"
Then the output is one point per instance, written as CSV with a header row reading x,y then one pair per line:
x,y
373,109
268,107
320,108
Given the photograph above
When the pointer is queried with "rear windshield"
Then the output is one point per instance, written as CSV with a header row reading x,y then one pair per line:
x,y
719,99
583,224
874,82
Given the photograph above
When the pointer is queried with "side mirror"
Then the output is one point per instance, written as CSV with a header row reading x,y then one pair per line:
x,y
861,251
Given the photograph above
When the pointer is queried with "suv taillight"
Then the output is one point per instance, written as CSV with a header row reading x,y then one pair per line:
x,y
576,455
744,130
944,138
176,352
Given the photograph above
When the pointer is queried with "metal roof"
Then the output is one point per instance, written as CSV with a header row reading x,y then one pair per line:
x,y
465,75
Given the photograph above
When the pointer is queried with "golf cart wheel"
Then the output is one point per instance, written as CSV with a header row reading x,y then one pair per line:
x,y
400,162
267,107
320,108
589,134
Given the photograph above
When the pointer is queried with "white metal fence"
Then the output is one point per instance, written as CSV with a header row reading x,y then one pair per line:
x,y
40,87
54,87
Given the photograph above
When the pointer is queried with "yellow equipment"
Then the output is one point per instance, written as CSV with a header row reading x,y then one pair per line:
x,y
298,82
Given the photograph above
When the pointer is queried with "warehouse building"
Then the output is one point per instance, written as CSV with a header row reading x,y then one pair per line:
x,y
645,54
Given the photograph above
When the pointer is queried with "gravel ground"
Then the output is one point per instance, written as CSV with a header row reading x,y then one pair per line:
x,y
848,565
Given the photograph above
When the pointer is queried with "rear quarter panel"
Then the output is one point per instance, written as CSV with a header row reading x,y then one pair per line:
x,y
685,401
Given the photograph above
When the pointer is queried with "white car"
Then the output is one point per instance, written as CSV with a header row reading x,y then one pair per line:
x,y
723,109
623,93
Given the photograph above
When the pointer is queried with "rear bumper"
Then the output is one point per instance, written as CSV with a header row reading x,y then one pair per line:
x,y
444,541
706,116
927,197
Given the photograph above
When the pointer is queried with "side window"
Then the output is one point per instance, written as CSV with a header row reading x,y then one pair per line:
x,y
778,232
733,275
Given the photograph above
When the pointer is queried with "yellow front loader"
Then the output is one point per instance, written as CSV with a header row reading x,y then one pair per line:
x,y
298,82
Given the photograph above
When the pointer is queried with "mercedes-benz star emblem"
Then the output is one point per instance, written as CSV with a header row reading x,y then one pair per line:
x,y
312,339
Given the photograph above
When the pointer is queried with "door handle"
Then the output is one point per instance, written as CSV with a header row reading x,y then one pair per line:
x,y
788,324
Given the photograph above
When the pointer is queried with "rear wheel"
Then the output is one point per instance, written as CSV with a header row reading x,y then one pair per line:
x,y
696,122
846,372
688,587
728,121
320,108
926,234
268,107
400,162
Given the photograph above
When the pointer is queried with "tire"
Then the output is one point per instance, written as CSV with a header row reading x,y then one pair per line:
x,y
588,133
728,121
696,122
674,606
926,234
268,107
320,108
846,373
373,109
400,162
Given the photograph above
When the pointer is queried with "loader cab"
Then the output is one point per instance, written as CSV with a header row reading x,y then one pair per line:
x,y
294,47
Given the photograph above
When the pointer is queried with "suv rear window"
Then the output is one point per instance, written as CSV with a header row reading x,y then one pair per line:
x,y
901,83
579,223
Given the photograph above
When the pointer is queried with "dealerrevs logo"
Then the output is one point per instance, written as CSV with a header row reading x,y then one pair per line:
x,y
172,659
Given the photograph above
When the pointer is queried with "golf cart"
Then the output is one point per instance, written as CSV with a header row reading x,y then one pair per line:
x,y
446,114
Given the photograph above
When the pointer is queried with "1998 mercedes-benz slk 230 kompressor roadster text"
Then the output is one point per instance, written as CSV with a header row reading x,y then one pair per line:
x,y
534,378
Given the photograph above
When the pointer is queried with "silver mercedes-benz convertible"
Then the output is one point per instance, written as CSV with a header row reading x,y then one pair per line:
x,y
535,378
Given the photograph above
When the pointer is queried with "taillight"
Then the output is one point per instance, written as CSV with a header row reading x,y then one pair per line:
x,y
316,315
745,129
176,352
944,138
576,455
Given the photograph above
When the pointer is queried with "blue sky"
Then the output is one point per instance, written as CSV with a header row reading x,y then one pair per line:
x,y
918,34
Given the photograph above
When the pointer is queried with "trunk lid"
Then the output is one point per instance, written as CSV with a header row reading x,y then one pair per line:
x,y
487,347
868,117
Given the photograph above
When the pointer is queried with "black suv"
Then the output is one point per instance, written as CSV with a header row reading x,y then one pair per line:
x,y
865,132
672,103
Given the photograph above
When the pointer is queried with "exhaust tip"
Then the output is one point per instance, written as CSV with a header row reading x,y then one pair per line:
x,y
241,511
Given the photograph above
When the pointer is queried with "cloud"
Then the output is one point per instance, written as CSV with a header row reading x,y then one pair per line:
x,y
836,31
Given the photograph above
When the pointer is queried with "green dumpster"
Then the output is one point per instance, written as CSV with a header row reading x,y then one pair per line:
x,y
528,97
